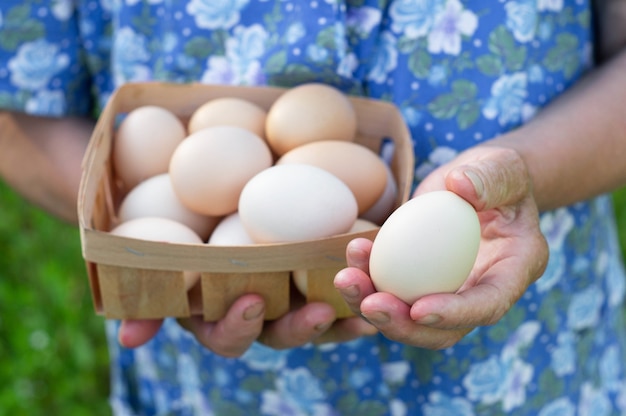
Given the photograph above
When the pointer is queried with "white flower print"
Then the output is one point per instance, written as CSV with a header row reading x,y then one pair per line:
x,y
386,59
449,27
62,9
584,310
522,19
297,393
362,20
520,375
551,5
556,225
559,407
593,402
441,155
395,372
507,99
241,64
36,63
414,18
216,14
610,367
441,404
130,55
46,102
260,357
563,356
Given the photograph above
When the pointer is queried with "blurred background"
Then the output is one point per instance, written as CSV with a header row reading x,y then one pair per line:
x,y
53,354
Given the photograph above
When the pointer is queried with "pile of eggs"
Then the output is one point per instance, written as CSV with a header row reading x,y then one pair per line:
x,y
237,174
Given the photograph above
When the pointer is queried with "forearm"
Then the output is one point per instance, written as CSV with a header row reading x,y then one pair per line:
x,y
40,158
576,147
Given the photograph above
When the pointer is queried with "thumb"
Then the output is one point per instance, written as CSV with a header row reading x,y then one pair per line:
x,y
498,178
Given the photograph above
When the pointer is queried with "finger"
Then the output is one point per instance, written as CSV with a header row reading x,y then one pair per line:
x,y
232,335
136,332
391,316
358,254
299,327
498,181
354,285
347,329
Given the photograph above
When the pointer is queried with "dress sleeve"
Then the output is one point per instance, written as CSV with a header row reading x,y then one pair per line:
x,y
43,67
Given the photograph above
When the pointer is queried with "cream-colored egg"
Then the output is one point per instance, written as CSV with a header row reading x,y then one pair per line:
x,y
229,111
144,143
230,232
211,166
307,113
359,167
428,245
296,202
379,212
155,197
161,230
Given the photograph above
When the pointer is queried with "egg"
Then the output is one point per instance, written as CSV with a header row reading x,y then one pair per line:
x,y
427,245
296,202
155,197
229,111
359,167
211,166
307,113
144,143
230,232
162,230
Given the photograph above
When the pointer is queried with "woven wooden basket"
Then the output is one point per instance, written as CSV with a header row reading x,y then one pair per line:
x,y
138,279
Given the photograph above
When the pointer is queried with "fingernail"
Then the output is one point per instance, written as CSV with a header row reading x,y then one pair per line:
x,y
253,311
377,318
350,291
323,327
479,187
429,319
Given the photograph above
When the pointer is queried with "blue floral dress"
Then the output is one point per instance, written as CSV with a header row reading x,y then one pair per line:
x,y
461,71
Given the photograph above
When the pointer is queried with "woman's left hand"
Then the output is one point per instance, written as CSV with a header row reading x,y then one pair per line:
x,y
513,254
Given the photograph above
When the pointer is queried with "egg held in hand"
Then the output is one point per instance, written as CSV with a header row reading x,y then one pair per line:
x,y
428,245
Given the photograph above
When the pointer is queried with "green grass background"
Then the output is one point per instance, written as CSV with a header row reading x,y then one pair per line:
x,y
53,355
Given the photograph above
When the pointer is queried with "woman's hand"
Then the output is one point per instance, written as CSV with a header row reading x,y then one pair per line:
x,y
513,254
244,324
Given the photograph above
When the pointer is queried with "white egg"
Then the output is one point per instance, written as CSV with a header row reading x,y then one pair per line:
x,y
296,202
161,230
230,232
155,197
428,245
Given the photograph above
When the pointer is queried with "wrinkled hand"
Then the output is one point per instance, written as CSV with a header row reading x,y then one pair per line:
x,y
513,254
244,324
